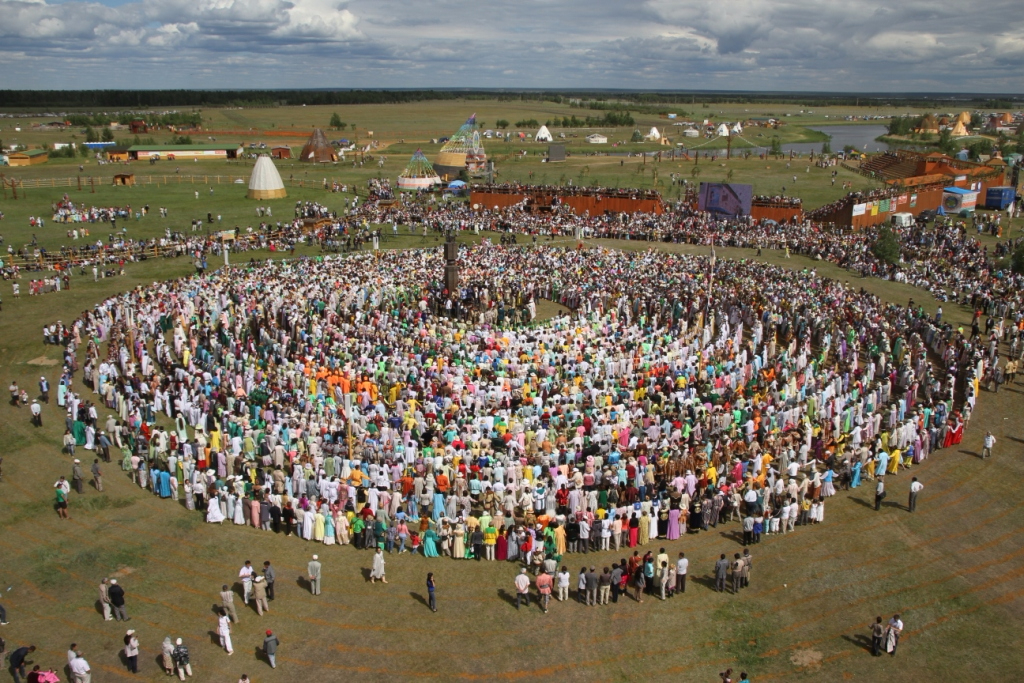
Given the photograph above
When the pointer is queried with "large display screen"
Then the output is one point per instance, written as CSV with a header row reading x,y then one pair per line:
x,y
725,199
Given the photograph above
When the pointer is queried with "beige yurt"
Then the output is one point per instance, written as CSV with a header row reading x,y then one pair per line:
x,y
265,182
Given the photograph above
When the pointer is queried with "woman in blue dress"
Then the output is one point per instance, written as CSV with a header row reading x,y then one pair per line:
x,y
430,543
855,478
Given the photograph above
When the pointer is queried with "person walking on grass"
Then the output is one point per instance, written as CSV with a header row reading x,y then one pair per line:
x,y
180,656
431,588
270,643
227,602
990,442
879,492
18,659
377,570
224,631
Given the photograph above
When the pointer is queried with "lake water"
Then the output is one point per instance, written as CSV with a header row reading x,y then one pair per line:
x,y
862,137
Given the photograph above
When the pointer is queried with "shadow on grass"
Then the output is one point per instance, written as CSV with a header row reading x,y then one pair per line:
x,y
736,536
420,599
860,640
506,596
706,581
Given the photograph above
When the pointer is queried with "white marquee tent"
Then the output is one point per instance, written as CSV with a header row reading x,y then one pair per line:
x,y
265,182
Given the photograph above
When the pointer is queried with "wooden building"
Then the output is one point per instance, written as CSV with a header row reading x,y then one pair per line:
x,y
28,157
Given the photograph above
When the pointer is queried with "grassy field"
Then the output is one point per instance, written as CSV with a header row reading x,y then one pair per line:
x,y
953,570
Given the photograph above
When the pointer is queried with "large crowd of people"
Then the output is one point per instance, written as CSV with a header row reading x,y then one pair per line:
x,y
357,401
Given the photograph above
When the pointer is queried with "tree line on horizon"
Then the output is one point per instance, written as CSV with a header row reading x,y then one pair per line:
x,y
591,99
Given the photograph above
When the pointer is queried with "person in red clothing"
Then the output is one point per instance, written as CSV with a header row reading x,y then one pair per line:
x,y
544,582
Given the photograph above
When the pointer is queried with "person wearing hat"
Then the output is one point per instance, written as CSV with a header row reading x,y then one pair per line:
x,y
116,595
270,643
259,589
44,390
181,659
313,570
37,413
131,650
78,476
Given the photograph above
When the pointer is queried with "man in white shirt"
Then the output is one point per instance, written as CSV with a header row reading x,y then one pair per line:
x,y
80,670
245,574
990,441
563,584
682,566
915,488
522,582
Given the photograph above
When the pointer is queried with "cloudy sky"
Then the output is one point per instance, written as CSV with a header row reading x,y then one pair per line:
x,y
829,45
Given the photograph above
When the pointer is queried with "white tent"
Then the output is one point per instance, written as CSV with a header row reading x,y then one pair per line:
x,y
691,133
543,135
265,182
654,134
597,139
722,130
737,129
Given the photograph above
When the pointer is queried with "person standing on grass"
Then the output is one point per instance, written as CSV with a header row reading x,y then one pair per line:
x,y
879,492
544,582
78,476
892,635
270,643
131,650
313,570
877,636
116,595
990,441
37,413
269,575
721,571
97,475
682,566
61,489
915,488
259,589
80,670
431,588
522,583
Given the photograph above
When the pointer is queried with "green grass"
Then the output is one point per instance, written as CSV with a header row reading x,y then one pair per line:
x,y
955,569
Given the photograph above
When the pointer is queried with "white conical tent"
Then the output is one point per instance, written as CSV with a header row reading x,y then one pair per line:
x,y
265,182
654,134
737,129
722,131
543,135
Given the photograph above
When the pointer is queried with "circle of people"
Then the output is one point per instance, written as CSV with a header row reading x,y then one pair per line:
x,y
357,401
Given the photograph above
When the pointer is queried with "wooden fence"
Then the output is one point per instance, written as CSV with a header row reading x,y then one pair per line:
x,y
85,183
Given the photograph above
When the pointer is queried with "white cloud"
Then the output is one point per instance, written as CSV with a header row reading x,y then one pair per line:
x,y
669,44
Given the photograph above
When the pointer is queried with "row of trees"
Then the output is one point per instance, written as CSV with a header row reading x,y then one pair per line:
x,y
191,119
